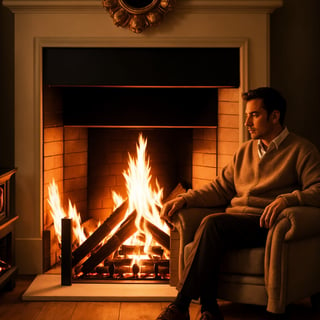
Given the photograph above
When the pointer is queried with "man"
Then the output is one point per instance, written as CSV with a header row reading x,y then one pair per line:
x,y
274,170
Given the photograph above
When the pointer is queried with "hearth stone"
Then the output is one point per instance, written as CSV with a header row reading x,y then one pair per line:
x,y
47,287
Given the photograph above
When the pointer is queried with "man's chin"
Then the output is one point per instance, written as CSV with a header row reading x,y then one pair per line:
x,y
253,135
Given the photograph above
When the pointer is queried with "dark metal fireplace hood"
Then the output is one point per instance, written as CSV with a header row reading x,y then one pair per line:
x,y
140,87
191,67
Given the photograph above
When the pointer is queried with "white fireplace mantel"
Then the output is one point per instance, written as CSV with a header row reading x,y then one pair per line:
x,y
69,23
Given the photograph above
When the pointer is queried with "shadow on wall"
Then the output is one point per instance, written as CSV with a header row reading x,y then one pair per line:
x,y
295,64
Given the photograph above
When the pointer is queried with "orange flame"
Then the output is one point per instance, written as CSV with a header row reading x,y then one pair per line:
x,y
57,213
142,197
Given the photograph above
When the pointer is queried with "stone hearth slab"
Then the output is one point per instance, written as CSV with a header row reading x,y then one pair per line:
x,y
47,287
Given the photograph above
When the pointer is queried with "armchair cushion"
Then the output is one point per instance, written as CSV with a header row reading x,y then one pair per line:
x,y
243,261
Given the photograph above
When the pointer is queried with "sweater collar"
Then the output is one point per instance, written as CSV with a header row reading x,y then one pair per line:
x,y
275,143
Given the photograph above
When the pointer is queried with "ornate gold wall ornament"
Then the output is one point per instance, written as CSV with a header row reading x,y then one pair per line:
x,y
137,15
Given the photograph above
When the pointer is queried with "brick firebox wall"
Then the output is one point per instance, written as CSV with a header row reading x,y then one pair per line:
x,y
213,148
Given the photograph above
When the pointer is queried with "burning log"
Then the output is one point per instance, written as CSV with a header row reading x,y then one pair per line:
x,y
125,231
121,262
159,267
115,267
100,233
119,271
175,192
163,267
126,250
146,269
158,235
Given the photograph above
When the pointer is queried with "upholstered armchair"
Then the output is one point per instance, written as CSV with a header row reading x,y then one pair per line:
x,y
286,270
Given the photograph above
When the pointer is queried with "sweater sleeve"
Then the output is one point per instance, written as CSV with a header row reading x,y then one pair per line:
x,y
217,193
308,172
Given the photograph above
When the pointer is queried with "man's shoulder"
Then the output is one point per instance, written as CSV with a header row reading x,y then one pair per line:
x,y
294,139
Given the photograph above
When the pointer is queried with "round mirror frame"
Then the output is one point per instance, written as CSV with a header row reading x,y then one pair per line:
x,y
137,18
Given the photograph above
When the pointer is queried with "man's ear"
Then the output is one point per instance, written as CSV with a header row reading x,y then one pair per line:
x,y
275,116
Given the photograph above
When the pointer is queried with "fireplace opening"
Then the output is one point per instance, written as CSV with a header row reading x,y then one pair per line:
x,y
92,118
132,242
87,159
87,162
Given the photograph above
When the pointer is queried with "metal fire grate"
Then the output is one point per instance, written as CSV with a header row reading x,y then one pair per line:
x,y
93,261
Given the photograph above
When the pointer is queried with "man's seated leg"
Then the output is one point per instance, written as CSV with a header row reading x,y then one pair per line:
x,y
217,233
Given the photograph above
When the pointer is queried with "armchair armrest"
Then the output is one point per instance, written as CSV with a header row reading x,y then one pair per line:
x,y
187,221
293,224
304,222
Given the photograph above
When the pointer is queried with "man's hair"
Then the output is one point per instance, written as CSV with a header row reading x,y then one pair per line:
x,y
272,100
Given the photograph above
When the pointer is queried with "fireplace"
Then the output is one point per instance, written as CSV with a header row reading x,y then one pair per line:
x,y
93,115
192,24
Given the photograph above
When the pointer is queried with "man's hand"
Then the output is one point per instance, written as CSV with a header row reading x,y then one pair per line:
x,y
170,207
271,212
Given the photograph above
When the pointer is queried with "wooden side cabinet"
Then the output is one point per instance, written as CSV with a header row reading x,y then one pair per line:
x,y
8,217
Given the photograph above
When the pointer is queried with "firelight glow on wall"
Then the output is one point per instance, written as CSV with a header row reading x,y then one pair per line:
x,y
137,15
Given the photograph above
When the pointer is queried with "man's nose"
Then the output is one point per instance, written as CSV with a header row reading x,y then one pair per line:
x,y
248,122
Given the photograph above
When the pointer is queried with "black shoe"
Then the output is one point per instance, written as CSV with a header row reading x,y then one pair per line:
x,y
172,312
206,315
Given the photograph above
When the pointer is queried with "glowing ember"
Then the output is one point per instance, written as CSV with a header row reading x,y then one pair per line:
x,y
4,267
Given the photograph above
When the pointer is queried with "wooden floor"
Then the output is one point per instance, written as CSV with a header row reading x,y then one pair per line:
x,y
13,308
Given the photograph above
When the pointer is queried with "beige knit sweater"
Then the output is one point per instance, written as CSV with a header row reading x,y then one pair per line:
x,y
248,184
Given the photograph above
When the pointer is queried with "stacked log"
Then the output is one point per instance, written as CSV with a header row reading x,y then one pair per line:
x,y
125,231
100,233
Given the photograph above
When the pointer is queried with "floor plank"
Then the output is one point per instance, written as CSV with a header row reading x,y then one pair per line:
x,y
57,310
20,311
97,310
139,310
194,310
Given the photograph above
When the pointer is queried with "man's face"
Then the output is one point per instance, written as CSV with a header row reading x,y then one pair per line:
x,y
259,125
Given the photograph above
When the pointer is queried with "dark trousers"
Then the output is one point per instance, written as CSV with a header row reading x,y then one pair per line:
x,y
217,233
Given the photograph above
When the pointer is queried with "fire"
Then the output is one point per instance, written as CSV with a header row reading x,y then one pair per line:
x,y
142,198
57,212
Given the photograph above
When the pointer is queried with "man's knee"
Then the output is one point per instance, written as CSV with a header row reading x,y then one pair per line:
x,y
211,224
220,227
214,220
